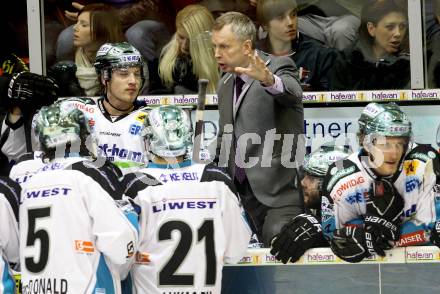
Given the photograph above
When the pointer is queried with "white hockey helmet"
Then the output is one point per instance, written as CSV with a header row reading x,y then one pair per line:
x,y
317,162
168,131
57,126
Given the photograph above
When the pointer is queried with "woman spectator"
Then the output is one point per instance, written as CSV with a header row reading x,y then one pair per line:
x,y
146,23
189,55
379,59
97,24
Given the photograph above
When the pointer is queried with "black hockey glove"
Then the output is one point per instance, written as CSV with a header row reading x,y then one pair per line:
x,y
64,74
352,244
383,215
30,91
435,234
296,237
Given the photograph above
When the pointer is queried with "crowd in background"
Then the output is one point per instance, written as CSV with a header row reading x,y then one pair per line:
x,y
337,45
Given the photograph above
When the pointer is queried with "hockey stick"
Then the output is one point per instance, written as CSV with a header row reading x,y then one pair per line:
x,y
198,132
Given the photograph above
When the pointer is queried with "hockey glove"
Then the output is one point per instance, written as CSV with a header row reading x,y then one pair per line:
x,y
435,234
383,215
64,74
296,237
30,91
352,244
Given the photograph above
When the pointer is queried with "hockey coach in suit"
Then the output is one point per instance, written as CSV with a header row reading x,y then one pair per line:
x,y
261,119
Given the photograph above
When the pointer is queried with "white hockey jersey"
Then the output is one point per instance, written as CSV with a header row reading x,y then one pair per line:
x,y
32,163
26,166
74,239
9,238
417,183
191,224
118,138
13,149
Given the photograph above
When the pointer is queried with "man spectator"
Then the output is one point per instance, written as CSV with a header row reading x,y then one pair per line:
x,y
280,20
258,95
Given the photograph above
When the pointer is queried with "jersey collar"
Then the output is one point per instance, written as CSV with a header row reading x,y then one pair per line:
x,y
184,163
362,158
107,115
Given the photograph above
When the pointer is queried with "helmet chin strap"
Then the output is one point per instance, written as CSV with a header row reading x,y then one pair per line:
x,y
119,109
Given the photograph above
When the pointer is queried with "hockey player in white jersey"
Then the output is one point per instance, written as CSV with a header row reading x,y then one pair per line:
x,y
115,118
390,181
191,221
74,239
9,238
33,162
304,230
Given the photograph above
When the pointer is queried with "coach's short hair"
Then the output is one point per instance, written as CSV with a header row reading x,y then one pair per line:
x,y
241,25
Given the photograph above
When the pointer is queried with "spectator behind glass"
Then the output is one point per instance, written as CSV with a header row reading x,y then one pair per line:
x,y
379,59
189,55
13,59
432,26
333,22
279,19
218,7
146,25
97,24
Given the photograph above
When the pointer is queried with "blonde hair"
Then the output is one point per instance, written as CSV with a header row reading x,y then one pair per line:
x,y
197,22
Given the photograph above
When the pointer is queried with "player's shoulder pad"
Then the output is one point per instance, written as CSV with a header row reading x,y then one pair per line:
x,y
337,171
85,100
423,152
211,172
112,169
144,109
11,191
140,115
104,176
132,183
25,157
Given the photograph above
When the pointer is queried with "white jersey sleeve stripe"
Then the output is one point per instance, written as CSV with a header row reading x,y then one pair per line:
x,y
104,280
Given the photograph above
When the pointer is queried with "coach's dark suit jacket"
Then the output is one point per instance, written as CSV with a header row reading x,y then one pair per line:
x,y
258,111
